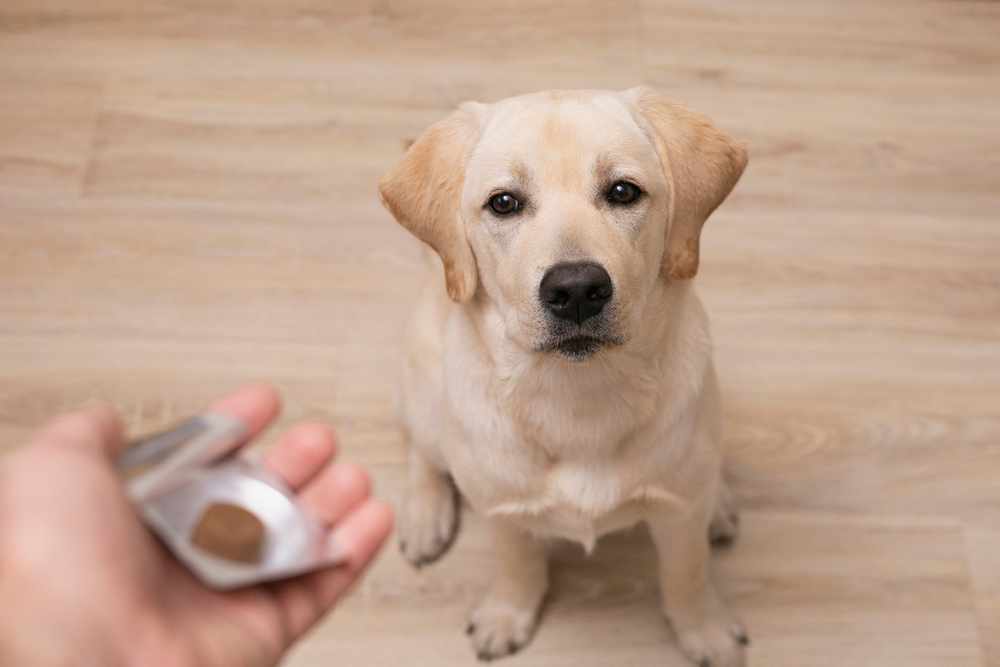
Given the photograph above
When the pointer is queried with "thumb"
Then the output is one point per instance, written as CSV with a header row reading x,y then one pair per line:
x,y
96,430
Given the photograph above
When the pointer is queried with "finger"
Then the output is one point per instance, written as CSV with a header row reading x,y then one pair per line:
x,y
97,430
306,599
356,540
336,491
301,454
256,405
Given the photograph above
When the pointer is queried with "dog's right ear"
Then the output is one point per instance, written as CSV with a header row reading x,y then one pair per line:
x,y
424,193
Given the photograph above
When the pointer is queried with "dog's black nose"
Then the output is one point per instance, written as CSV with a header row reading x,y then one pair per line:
x,y
575,292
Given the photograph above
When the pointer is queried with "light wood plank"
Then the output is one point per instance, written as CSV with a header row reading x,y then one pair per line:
x,y
47,126
814,589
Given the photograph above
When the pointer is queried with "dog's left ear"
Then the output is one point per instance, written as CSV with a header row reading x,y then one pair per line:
x,y
702,165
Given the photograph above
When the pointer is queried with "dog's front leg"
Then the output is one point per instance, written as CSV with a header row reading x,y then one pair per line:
x,y
506,619
429,517
707,632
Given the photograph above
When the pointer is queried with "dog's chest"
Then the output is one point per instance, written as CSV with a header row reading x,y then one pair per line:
x,y
575,501
566,488
572,457
589,490
579,500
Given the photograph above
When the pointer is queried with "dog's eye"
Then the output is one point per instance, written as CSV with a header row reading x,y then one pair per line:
x,y
623,192
504,203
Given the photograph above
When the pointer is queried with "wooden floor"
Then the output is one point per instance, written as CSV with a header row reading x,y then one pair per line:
x,y
188,203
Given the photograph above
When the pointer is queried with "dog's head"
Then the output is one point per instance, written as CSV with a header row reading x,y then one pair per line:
x,y
565,207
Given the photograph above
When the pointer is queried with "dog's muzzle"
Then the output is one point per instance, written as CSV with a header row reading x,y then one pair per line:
x,y
575,294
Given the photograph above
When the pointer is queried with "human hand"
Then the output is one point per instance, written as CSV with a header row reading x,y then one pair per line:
x,y
84,582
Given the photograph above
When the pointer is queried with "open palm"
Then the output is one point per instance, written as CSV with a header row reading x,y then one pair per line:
x,y
83,582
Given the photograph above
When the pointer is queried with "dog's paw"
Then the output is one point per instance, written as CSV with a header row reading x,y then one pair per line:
x,y
718,641
725,527
428,523
725,524
498,628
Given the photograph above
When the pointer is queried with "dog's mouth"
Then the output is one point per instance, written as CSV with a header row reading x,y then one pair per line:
x,y
579,348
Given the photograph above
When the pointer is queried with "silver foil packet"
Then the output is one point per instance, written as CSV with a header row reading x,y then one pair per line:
x,y
228,518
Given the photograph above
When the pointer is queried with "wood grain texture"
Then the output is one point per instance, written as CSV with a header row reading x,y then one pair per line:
x,y
188,202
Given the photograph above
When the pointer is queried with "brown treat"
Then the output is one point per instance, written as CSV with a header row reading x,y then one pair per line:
x,y
230,532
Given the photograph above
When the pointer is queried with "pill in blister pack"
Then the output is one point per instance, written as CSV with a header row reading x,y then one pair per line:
x,y
228,518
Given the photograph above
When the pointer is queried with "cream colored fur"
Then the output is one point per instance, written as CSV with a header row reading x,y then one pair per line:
x,y
542,443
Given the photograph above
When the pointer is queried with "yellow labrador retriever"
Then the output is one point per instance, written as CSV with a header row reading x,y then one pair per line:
x,y
558,369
